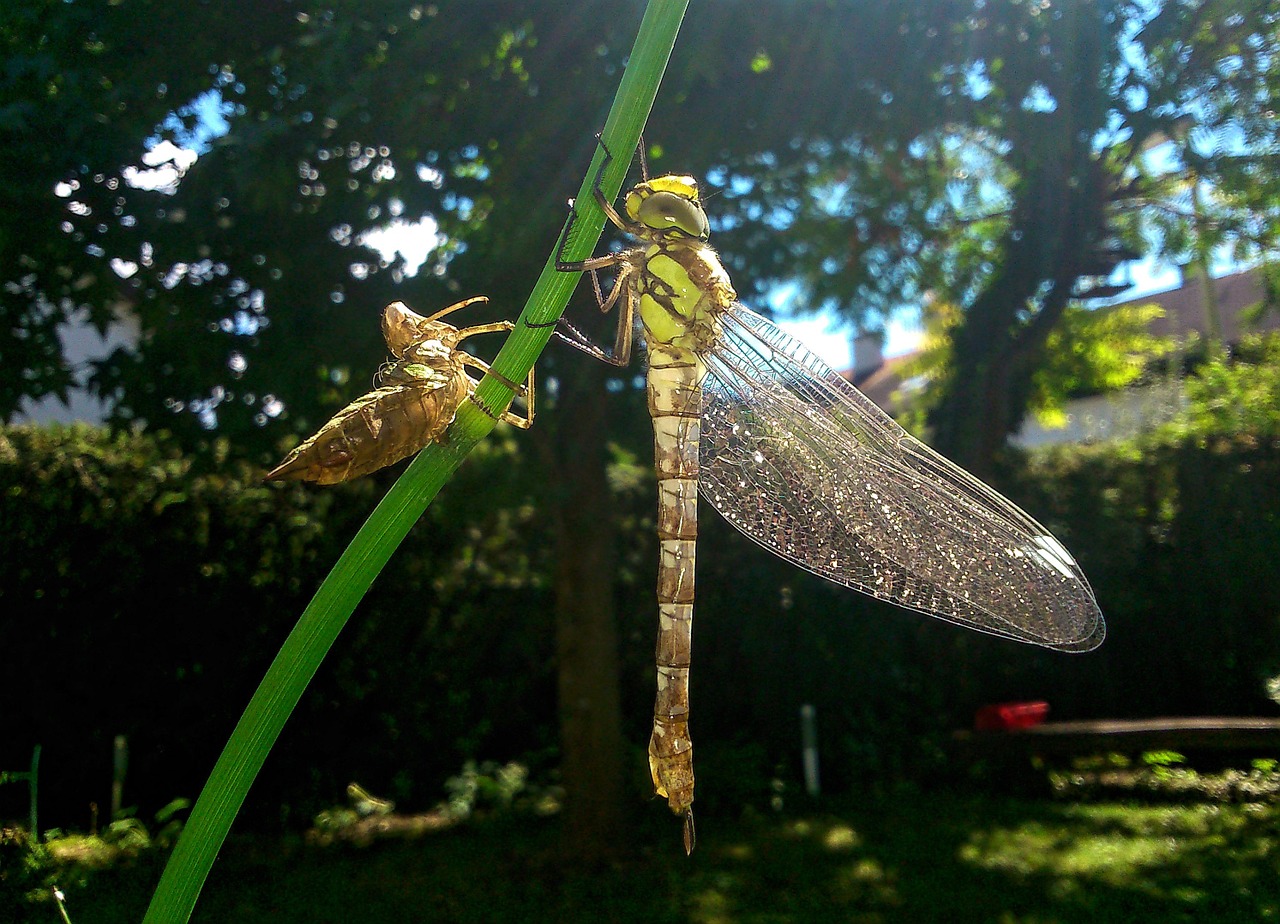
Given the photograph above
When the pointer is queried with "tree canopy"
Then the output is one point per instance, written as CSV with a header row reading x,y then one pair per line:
x,y
990,153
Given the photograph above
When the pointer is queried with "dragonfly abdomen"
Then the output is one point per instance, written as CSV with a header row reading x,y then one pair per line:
x,y
675,403
376,430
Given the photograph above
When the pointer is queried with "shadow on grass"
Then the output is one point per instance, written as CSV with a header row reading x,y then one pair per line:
x,y
921,857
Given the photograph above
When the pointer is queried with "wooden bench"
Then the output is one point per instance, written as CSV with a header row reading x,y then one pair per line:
x,y
1129,736
1016,760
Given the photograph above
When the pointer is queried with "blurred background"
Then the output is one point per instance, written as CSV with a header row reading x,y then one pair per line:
x,y
1038,233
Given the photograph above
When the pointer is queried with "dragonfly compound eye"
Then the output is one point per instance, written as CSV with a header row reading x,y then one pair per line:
x,y
664,211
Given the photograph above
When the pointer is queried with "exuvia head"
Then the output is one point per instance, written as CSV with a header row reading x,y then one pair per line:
x,y
402,327
669,206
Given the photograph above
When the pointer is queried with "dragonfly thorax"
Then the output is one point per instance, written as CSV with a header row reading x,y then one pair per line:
x,y
432,352
682,291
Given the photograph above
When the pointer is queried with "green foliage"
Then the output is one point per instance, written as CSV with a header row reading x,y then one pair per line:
x,y
1163,758
27,868
1094,351
1089,352
78,100
486,786
1167,778
950,151
1215,187
256,298
31,871
1233,397
451,660
129,833
933,856
156,595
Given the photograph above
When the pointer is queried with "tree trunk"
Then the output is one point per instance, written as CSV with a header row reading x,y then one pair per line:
x,y
586,632
1058,223
996,349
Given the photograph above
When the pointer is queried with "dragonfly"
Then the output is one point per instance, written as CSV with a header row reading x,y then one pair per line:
x,y
417,400
801,462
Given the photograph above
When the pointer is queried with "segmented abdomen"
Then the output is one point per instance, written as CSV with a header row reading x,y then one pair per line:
x,y
376,430
675,402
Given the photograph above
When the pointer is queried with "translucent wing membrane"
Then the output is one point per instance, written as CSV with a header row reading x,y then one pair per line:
x,y
803,463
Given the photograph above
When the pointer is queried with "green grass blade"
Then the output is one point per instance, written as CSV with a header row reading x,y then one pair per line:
x,y
369,551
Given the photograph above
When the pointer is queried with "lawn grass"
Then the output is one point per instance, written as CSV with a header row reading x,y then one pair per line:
x,y
917,857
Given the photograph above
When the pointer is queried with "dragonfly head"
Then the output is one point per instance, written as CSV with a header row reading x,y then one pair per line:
x,y
668,207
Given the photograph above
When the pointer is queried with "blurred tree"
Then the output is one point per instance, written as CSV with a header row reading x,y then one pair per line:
x,y
85,84
1089,352
1202,99
1234,397
995,154
1078,104
990,152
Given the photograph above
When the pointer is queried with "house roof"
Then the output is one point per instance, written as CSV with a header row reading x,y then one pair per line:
x,y
883,384
1184,314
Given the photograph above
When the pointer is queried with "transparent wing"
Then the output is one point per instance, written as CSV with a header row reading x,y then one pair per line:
x,y
807,466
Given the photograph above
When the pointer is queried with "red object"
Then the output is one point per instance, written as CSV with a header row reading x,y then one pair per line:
x,y
1010,716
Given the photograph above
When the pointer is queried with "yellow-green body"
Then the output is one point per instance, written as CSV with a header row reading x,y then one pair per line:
x,y
682,289
801,462
679,289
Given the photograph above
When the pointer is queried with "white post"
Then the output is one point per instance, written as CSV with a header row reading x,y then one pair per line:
x,y
809,749
119,764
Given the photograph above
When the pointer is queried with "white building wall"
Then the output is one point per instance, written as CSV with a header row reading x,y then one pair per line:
x,y
81,343
1114,415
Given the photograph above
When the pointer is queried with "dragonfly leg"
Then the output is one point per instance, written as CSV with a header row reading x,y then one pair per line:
x,y
580,341
597,190
621,353
562,265
525,391
644,178
608,157
571,266
624,260
469,332
591,263
457,305
628,263
598,187
527,421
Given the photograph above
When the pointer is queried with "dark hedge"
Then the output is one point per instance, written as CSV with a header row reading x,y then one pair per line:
x,y
142,597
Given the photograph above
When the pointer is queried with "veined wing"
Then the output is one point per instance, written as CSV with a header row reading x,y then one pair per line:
x,y
807,466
